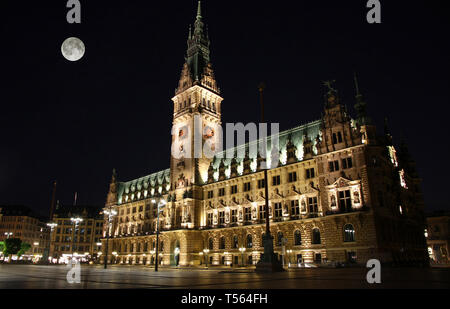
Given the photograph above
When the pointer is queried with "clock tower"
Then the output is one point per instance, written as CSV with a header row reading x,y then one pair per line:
x,y
196,117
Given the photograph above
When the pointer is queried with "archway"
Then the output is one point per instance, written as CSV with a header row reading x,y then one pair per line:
x,y
175,253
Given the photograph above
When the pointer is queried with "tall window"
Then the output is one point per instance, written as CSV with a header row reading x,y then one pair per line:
x,y
349,233
234,215
261,184
295,208
278,210
247,186
312,204
333,166
210,243
222,243
262,212
345,201
249,241
210,219
276,180
279,238
235,242
310,173
347,163
247,214
315,236
234,189
297,238
292,177
221,191
221,217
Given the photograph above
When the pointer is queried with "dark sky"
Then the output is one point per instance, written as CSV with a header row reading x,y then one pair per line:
x,y
75,121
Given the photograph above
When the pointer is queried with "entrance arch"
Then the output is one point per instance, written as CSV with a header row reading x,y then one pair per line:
x,y
175,253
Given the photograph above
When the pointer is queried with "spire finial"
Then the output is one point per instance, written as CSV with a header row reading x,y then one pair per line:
x,y
199,10
356,84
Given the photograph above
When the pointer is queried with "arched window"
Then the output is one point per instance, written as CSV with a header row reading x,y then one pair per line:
x,y
249,241
235,242
126,248
132,248
145,246
297,238
210,244
349,233
279,238
222,243
139,247
315,236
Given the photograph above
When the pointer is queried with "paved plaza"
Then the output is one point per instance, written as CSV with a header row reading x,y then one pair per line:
x,y
140,277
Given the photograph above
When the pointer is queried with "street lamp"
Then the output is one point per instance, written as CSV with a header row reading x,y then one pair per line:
x,y
110,213
206,251
161,204
52,226
8,234
242,249
75,222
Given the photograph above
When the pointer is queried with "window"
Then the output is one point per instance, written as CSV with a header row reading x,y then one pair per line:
x,y
210,194
345,201
297,238
278,210
295,208
347,163
247,186
333,166
249,241
234,189
221,191
310,173
141,208
134,209
279,238
292,177
222,243
210,244
235,242
247,214
261,184
210,219
262,212
318,258
349,233
276,180
234,215
315,236
312,204
337,138
221,217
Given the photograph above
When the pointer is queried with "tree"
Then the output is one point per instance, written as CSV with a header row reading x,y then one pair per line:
x,y
24,247
2,246
12,246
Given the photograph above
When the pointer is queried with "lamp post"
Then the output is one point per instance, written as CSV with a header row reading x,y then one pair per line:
x,y
206,251
110,213
268,262
52,226
242,249
8,234
161,204
75,222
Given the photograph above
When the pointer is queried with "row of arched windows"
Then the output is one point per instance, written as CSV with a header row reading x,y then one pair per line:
x,y
349,236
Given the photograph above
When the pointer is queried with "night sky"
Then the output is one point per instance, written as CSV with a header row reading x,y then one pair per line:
x,y
75,121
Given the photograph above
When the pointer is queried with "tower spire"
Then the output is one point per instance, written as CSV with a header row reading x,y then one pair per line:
x,y
360,106
199,10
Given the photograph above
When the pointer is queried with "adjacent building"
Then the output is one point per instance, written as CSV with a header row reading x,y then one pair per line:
x,y
81,239
438,237
339,189
21,222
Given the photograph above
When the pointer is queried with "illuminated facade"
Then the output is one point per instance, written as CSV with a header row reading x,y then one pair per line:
x,y
20,222
437,234
82,239
338,193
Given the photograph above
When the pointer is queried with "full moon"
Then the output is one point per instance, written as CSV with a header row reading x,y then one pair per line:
x,y
72,49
